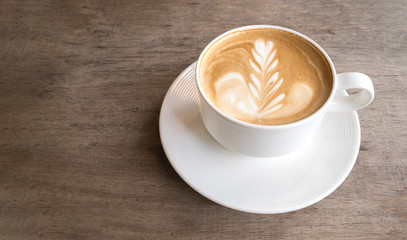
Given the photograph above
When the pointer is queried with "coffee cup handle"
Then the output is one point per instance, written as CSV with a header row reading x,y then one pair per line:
x,y
364,95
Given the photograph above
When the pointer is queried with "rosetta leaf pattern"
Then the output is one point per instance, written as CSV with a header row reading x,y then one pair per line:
x,y
261,95
264,80
256,95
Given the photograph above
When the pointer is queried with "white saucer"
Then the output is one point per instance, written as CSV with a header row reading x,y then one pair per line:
x,y
249,184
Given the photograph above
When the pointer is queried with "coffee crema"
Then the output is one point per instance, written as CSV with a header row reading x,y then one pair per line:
x,y
265,76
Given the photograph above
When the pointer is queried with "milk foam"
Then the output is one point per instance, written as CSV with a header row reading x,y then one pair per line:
x,y
252,81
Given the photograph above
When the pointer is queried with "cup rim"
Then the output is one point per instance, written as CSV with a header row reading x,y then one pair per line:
x,y
321,110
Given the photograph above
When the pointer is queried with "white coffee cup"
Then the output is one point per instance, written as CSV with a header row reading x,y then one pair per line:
x,y
275,140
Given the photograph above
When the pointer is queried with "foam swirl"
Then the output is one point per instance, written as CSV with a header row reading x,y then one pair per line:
x,y
265,78
256,97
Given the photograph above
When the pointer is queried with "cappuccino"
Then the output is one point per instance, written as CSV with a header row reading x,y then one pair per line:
x,y
265,76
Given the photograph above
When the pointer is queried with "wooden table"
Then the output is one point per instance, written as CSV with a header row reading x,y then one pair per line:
x,y
81,86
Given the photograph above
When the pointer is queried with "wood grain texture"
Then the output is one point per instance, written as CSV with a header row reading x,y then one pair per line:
x,y
81,86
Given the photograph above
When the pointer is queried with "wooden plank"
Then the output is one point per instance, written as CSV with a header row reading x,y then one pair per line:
x,y
81,86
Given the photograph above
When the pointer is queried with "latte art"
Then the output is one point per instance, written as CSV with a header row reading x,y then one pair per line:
x,y
265,77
